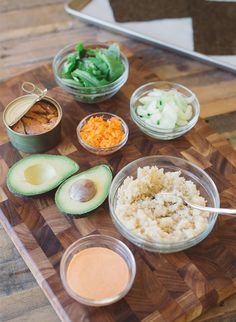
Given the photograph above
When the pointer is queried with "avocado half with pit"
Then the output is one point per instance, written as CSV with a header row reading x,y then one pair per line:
x,y
84,192
39,173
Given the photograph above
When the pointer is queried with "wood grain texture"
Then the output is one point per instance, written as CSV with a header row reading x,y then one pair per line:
x,y
29,44
173,287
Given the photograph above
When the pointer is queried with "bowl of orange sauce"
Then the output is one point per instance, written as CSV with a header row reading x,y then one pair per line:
x,y
97,270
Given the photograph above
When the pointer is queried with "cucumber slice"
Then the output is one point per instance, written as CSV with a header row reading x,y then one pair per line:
x,y
155,93
180,122
146,100
155,118
189,112
142,111
152,107
165,108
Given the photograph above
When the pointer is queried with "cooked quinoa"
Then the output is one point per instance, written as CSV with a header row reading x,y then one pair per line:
x,y
164,218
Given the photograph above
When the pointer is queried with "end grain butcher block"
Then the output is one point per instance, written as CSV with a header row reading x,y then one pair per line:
x,y
172,287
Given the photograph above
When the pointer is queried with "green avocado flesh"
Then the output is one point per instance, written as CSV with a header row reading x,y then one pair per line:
x,y
100,175
39,173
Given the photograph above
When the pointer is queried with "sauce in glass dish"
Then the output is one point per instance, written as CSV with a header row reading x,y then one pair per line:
x,y
97,273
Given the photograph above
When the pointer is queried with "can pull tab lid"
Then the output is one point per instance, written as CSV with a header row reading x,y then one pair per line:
x,y
30,88
20,108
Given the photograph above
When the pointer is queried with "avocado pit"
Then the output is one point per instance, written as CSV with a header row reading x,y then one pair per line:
x,y
82,190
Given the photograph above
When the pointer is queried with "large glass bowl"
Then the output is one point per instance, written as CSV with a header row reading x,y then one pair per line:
x,y
88,94
204,183
153,131
98,241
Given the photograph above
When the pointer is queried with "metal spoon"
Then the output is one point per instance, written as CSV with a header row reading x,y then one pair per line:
x,y
222,211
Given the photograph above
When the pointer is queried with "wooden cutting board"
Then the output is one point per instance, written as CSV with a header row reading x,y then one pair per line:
x,y
171,287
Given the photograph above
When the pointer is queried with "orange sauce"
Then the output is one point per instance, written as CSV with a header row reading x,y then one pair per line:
x,y
97,272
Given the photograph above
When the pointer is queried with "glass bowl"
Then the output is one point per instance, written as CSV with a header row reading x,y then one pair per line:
x,y
98,241
103,151
151,130
88,94
204,183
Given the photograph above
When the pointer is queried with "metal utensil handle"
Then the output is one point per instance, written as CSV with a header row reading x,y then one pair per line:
x,y
222,211
30,88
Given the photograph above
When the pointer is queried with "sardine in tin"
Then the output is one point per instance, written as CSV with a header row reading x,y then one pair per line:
x,y
37,142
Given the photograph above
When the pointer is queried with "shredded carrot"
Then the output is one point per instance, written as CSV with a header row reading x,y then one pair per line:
x,y
102,133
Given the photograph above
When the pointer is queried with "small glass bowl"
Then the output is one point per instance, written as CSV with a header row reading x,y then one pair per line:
x,y
88,94
151,130
189,171
103,151
98,241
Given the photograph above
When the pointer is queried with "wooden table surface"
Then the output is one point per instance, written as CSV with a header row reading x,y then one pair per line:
x,y
31,32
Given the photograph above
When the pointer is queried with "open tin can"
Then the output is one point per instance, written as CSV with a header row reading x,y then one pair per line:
x,y
33,143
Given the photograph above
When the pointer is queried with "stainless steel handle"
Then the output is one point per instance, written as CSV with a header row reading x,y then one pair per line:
x,y
222,211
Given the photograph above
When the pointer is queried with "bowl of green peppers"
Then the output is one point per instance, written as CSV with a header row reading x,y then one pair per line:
x,y
91,73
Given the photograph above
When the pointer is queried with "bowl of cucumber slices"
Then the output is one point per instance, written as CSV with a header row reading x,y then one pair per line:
x,y
164,110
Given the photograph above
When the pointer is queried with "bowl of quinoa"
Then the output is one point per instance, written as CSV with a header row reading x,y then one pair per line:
x,y
155,221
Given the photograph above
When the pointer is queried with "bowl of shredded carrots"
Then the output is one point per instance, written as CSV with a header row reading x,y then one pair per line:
x,y
102,133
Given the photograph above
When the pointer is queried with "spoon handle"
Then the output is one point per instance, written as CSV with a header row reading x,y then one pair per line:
x,y
222,211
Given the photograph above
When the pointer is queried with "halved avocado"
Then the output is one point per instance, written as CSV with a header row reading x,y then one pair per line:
x,y
85,191
39,173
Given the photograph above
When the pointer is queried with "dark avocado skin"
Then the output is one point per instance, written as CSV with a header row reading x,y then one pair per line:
x,y
82,215
77,216
47,193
